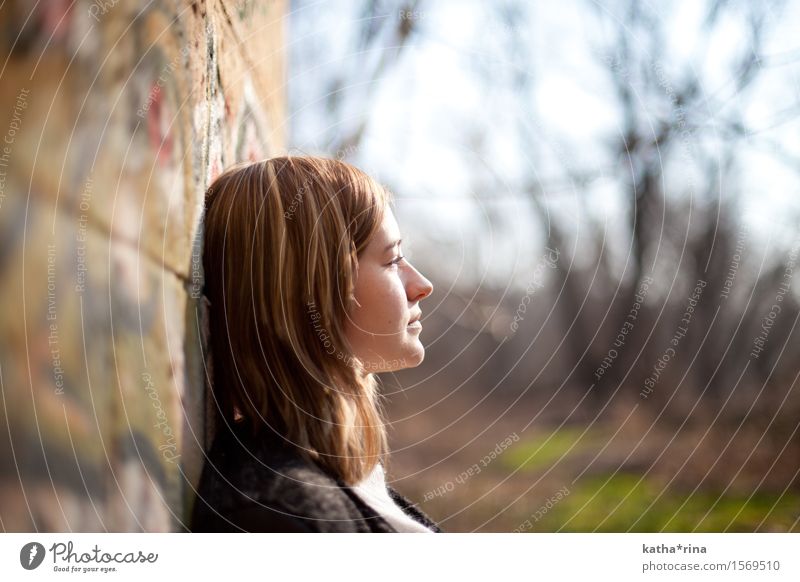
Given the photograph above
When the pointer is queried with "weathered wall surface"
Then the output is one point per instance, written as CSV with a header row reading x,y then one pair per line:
x,y
114,118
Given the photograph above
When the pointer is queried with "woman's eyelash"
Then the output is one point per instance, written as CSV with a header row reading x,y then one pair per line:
x,y
397,260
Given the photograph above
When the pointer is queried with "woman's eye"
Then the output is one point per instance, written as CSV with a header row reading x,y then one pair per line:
x,y
397,260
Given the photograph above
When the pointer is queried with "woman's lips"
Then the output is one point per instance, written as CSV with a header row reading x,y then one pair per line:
x,y
415,325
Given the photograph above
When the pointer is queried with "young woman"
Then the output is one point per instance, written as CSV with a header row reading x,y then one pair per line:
x,y
310,296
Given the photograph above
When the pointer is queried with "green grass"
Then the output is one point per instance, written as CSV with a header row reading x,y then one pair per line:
x,y
543,452
621,504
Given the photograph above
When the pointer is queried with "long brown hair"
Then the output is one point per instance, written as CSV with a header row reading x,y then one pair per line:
x,y
282,239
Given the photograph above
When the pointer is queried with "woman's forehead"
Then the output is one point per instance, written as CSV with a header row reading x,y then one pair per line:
x,y
389,231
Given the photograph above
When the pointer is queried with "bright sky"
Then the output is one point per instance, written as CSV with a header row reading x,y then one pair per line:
x,y
450,87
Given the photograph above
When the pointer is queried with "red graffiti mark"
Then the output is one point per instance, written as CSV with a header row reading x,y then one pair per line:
x,y
158,125
216,169
54,17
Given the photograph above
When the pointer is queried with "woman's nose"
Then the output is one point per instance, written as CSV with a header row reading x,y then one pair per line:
x,y
419,287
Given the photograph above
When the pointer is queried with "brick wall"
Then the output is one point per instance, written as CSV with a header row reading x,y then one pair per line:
x,y
115,116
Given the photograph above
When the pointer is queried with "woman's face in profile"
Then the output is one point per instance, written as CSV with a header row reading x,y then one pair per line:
x,y
382,327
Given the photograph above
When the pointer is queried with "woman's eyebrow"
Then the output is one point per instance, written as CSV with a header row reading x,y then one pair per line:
x,y
394,244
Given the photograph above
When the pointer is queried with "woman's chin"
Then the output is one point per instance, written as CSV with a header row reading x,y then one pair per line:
x,y
416,355
412,357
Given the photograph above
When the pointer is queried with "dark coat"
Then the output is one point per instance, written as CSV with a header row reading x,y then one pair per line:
x,y
266,486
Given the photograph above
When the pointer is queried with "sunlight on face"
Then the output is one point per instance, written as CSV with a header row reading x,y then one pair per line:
x,y
388,291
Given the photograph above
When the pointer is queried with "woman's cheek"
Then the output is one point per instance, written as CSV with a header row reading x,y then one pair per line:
x,y
384,299
375,299
396,301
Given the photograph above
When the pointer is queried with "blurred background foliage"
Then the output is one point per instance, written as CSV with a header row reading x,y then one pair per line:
x,y
604,195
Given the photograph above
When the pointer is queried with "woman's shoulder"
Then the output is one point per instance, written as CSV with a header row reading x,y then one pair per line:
x,y
264,465
264,484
